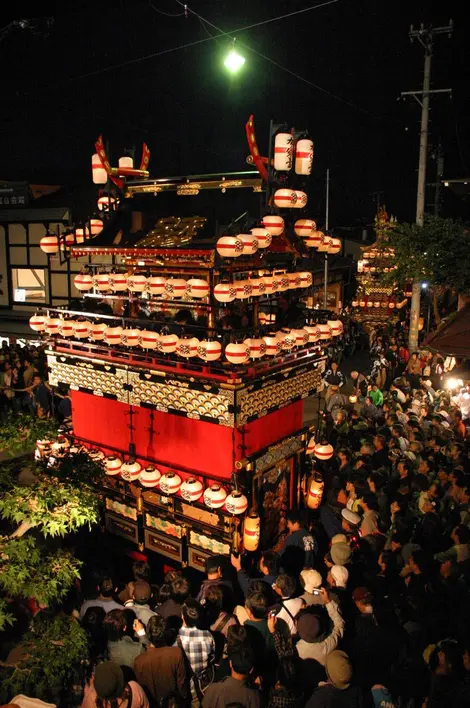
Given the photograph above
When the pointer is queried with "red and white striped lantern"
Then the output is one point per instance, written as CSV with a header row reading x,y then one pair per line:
x,y
106,203
95,454
250,244
283,152
263,237
99,174
215,496
301,337
96,226
149,339
81,329
150,476
237,353
156,285
244,289
168,343
229,246
130,337
283,282
325,331
67,328
126,161
209,350
315,239
175,287
301,200
197,288
258,286
285,198
83,282
314,334
325,244
335,246
113,336
272,284
236,503
274,224
323,451
257,347
112,465
118,282
49,244
130,470
273,345
187,347
288,340
38,323
304,227
170,483
336,327
98,331
191,490
225,292
311,446
70,239
102,282
81,235
53,325
136,283
304,156
294,281
265,318
306,279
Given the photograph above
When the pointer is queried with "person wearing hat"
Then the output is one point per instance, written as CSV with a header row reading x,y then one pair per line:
x,y
140,595
340,553
311,581
338,691
107,688
314,643
350,521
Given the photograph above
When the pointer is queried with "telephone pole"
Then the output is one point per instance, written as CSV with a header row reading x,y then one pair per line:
x,y
425,36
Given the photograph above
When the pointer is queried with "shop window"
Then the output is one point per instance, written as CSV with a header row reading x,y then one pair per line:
x,y
29,285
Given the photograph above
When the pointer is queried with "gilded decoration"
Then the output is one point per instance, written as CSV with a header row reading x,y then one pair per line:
x,y
208,544
122,509
277,453
169,528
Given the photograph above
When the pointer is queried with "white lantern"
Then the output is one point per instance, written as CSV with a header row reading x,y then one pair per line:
x,y
83,282
306,279
250,244
301,200
81,235
304,227
130,470
70,239
126,161
112,465
67,328
229,247
288,340
99,174
236,503
175,287
335,246
49,244
106,203
38,323
258,286
257,347
118,282
137,283
285,198
197,288
191,490
60,446
294,281
149,339
168,343
209,350
150,476
274,224
187,347
325,244
53,325
336,327
311,446
244,289
273,345
314,334
81,329
102,282
225,292
113,336
156,285
323,451
98,331
130,337
315,239
95,454
282,282
215,496
303,156
325,331
265,318
237,353
170,483
283,152
96,226
263,237
301,337
271,283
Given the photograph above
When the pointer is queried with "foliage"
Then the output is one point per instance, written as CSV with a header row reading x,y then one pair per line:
x,y
52,651
18,433
7,476
78,470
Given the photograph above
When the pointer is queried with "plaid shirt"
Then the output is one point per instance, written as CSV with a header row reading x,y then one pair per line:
x,y
199,647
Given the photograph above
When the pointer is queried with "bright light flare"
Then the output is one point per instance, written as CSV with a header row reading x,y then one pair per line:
x,y
234,61
453,384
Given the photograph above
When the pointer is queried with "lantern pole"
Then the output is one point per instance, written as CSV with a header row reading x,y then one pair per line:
x,y
327,223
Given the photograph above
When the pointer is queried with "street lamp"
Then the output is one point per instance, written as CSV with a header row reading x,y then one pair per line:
x,y
234,61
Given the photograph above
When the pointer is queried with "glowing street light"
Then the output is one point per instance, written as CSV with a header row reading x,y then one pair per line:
x,y
234,61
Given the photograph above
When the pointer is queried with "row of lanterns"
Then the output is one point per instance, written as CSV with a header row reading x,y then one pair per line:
x,y
286,149
364,267
379,253
50,243
369,303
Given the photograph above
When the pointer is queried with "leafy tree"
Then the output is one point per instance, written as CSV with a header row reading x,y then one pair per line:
x,y
18,434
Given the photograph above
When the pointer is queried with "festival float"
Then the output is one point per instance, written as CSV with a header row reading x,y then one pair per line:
x,y
198,424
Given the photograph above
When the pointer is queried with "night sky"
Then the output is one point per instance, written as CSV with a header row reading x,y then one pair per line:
x,y
192,113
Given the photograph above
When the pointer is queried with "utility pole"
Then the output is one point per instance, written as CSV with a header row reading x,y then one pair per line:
x,y
327,225
439,176
425,36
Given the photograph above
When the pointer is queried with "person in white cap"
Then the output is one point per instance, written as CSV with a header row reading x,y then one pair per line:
x,y
311,582
338,576
350,521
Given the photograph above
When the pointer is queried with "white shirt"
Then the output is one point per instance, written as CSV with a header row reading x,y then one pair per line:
x,y
320,650
294,606
463,402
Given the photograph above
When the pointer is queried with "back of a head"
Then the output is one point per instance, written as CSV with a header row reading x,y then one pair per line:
x,y
272,561
156,630
141,570
107,587
286,584
242,660
236,637
114,625
179,590
214,597
297,516
192,612
212,565
256,602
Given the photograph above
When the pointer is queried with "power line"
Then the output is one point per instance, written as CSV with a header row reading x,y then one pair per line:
x,y
167,14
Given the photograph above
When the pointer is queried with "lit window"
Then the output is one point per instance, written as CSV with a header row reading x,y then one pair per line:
x,y
29,285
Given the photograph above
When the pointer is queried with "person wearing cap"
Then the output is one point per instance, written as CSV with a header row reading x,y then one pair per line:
x,y
337,579
140,595
340,553
339,690
311,581
105,598
213,567
107,688
350,521
314,643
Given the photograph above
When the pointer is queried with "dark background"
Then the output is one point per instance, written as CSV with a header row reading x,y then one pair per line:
x,y
192,113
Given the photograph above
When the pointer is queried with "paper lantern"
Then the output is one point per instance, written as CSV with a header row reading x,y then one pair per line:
x,y
102,282
126,161
304,156
60,446
225,292
191,489
306,279
237,353
96,226
271,283
198,288
301,200
336,327
263,237
137,283
112,465
215,496
81,235
130,337
258,286
53,325
335,246
229,246
81,329
283,152
150,476
294,281
287,339
170,483
99,174
355,303
315,491
304,227
325,331
251,531
209,350
274,224
187,347
273,345
97,331
244,289
118,282
168,343
383,303
301,337
325,244
315,239
391,305
175,287
38,323
156,285
236,503
282,282
83,282
266,317
250,244
106,203
130,470
377,303
49,244
314,334
113,335
67,328
323,451
95,454
362,303
311,446
257,347
285,198
149,339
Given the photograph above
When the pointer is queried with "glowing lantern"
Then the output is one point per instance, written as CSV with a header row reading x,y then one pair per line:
x,y
83,282
311,446
150,476
244,289
315,239
102,282
336,327
251,531
288,340
301,337
81,329
263,237
225,292
237,353
285,198
176,287
274,224
95,454
266,318
306,279
113,335
80,236
96,225
98,331
126,161
99,174
112,465
257,286
187,347
137,283
168,343
156,285
130,337
283,282
283,152
323,451
236,503
325,331
149,339
325,244
271,283
362,303
304,227
229,246
257,348
106,203
67,328
354,303
170,483
130,470
69,239
384,303
250,244
294,281
49,244
335,246
209,351
315,491
377,303
391,305
303,156
191,489
215,496
38,323
60,446
273,345
301,200
314,333
118,282
53,325
197,288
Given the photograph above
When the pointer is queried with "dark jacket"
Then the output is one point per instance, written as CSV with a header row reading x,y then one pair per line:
x,y
226,586
162,672
231,690
298,551
328,696
245,581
